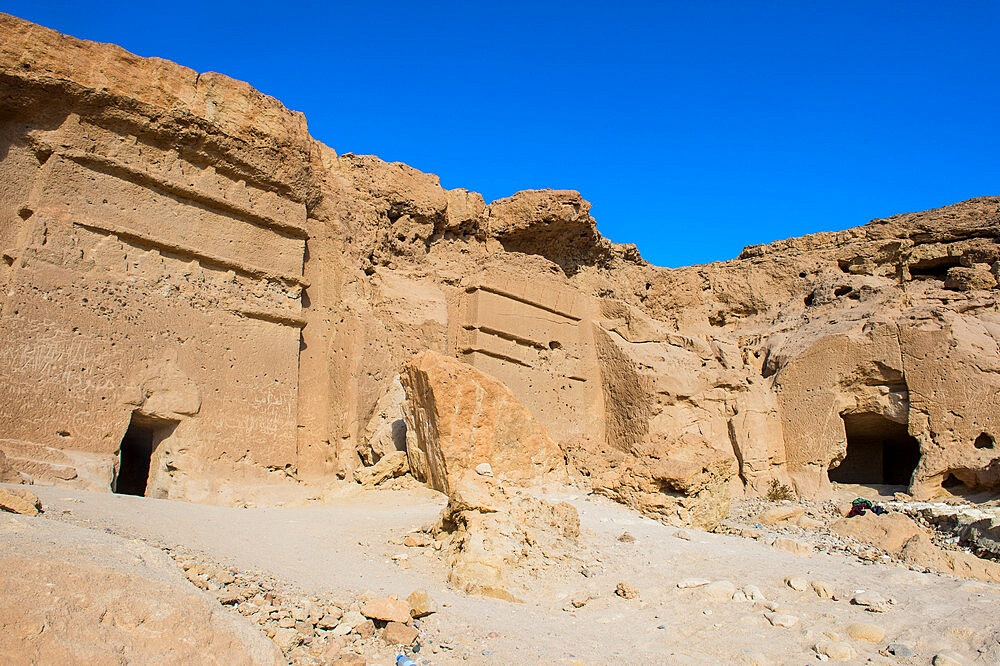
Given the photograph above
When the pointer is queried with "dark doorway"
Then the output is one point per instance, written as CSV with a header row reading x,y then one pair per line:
x,y
136,450
879,451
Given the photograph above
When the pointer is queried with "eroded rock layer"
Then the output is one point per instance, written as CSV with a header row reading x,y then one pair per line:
x,y
190,280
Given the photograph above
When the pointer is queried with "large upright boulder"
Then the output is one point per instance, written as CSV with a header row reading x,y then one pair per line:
x,y
462,418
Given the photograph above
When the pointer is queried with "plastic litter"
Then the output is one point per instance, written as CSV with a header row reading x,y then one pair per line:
x,y
403,660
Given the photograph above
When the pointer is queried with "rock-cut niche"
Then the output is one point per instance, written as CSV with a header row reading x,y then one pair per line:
x,y
879,451
136,453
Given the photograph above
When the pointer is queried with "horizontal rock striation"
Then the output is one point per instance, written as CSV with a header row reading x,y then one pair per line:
x,y
189,279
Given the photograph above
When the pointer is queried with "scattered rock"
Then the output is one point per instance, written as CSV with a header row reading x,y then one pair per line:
x,y
948,658
779,513
396,633
753,593
386,609
782,620
836,650
797,583
692,582
900,650
20,500
871,601
418,540
793,546
866,632
328,621
822,589
720,589
626,538
421,603
365,629
626,591
388,467
286,638
484,469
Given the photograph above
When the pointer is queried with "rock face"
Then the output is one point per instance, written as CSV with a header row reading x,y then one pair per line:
x,y
193,282
462,418
72,595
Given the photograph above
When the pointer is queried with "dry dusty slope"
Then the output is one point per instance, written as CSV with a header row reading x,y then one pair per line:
x,y
342,549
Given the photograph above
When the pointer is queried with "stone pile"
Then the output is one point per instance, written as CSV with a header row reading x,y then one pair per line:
x,y
311,630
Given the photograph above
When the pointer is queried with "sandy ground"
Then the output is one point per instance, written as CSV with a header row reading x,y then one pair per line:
x,y
342,548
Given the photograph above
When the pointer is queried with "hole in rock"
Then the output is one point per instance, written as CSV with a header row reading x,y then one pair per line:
x,y
136,451
933,269
879,451
951,481
984,441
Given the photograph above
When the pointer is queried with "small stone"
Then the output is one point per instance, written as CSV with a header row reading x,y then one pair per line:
x,y
419,540
626,538
900,650
782,620
626,591
692,582
807,523
365,629
866,632
286,623
793,546
872,601
796,583
779,513
484,469
835,650
753,593
421,603
299,614
227,597
822,589
328,621
305,629
18,500
681,534
579,602
396,633
342,629
286,639
948,658
387,609
352,618
720,589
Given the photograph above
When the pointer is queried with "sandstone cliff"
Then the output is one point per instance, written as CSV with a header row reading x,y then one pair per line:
x,y
193,281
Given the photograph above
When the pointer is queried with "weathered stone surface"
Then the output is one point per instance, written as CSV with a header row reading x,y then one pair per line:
x,y
388,467
396,633
421,604
19,500
160,227
129,602
462,417
387,609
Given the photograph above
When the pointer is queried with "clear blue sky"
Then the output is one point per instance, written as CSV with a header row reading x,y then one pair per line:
x,y
695,128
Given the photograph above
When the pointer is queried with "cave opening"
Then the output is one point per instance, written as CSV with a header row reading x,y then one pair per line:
x,y
879,451
136,453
